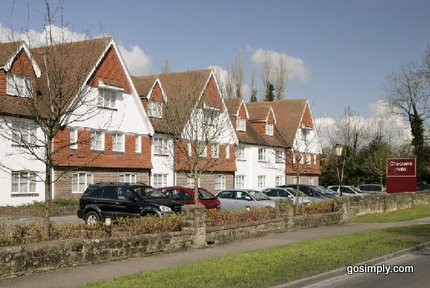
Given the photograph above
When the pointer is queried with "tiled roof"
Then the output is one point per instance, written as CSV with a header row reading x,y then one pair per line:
x,y
182,89
7,50
233,105
257,111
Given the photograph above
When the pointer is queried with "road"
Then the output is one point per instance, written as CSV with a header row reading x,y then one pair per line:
x,y
420,278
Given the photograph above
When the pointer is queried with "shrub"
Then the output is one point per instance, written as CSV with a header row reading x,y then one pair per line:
x,y
319,207
227,217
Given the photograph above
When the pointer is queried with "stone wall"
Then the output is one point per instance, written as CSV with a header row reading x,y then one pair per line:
x,y
26,259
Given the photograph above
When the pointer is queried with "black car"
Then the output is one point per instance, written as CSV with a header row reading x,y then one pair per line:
x,y
123,200
309,190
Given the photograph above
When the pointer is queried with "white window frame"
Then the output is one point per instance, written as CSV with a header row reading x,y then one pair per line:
x,y
190,181
239,181
308,159
138,144
155,109
220,181
240,153
19,85
279,180
227,151
204,153
261,181
118,142
315,159
215,151
160,180
107,98
24,134
262,155
80,181
161,146
241,124
269,129
279,156
97,140
23,182
129,178
73,138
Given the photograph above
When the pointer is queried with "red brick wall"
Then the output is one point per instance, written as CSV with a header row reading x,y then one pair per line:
x,y
207,181
242,111
303,168
270,118
307,118
20,66
84,157
110,69
157,94
211,96
63,187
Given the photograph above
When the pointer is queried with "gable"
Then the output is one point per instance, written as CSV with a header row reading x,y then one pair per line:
x,y
156,93
242,111
21,65
110,72
270,118
307,118
211,96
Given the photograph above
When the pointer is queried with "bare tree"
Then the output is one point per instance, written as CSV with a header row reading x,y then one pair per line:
x,y
165,68
59,101
198,127
253,87
281,78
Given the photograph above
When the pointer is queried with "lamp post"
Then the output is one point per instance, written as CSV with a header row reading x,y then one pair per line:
x,y
338,149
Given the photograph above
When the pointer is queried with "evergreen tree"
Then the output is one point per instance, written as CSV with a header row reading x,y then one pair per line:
x,y
270,94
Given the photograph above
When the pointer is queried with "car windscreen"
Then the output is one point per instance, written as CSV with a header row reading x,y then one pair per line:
x,y
258,195
206,195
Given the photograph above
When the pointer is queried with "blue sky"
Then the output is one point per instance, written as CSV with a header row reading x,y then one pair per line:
x,y
348,48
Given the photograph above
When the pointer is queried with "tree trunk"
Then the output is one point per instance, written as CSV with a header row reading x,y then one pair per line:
x,y
48,192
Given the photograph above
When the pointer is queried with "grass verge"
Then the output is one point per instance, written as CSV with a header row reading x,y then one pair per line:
x,y
269,267
395,216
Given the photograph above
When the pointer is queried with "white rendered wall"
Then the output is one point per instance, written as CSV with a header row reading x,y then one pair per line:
x,y
163,164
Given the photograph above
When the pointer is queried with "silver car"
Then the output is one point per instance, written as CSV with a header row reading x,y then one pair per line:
x,y
286,193
241,199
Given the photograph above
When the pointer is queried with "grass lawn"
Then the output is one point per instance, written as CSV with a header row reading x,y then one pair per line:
x,y
269,267
401,215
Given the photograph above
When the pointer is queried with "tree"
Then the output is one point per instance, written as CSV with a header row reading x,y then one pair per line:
x,y
281,78
197,126
253,87
408,94
269,96
59,102
375,157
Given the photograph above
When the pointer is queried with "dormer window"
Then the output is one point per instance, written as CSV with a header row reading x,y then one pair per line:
x,y
20,86
155,109
269,129
241,124
107,98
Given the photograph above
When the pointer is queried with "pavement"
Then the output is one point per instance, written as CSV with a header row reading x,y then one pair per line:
x,y
73,276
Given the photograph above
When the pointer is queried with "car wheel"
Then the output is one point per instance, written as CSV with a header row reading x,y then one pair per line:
x,y
92,218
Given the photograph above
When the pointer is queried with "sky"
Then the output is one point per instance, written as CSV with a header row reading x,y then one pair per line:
x,y
339,52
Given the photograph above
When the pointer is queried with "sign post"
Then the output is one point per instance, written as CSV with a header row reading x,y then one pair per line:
x,y
401,175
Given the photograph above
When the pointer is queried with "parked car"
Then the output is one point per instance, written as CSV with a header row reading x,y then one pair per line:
x,y
185,195
372,188
309,190
346,190
240,199
286,193
121,200
326,192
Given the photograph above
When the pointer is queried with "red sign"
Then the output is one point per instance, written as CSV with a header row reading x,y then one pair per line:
x,y
401,167
401,175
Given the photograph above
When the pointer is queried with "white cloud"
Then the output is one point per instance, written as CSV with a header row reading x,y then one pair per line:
x,y
137,61
393,127
295,66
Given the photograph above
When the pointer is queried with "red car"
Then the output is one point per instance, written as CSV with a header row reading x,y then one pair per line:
x,y
185,195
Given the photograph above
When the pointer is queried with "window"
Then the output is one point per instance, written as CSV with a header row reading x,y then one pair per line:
x,y
138,144
97,140
80,182
118,142
73,138
127,178
215,151
269,129
24,134
203,150
154,109
219,182
280,156
160,180
107,98
305,133
20,86
315,159
23,182
227,151
240,153
190,181
189,150
279,180
308,159
311,181
239,181
160,146
262,155
261,181
241,124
